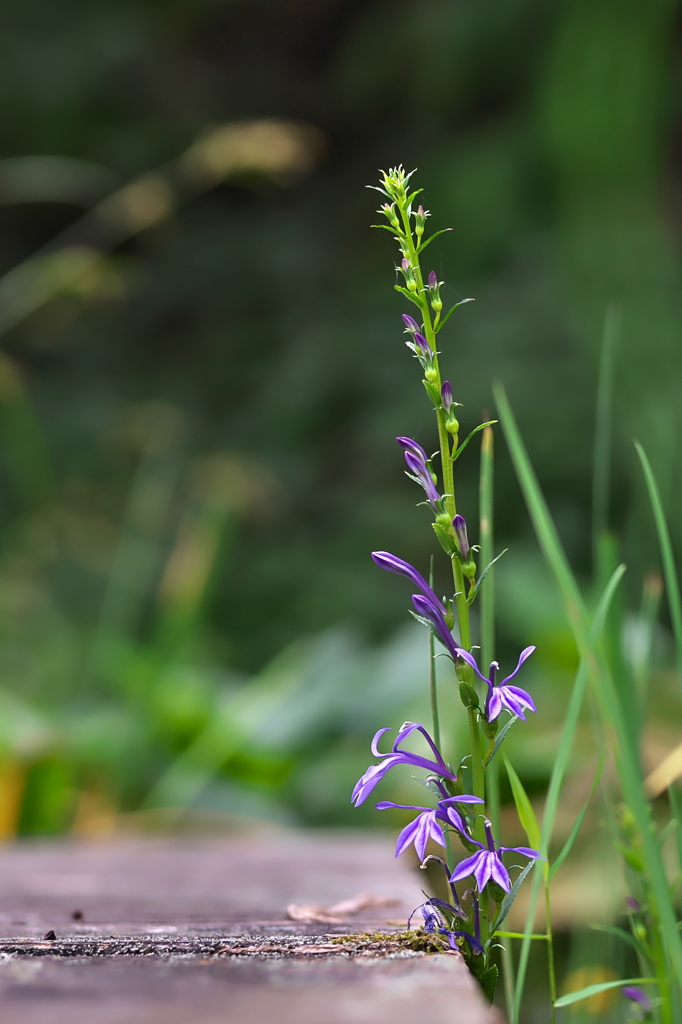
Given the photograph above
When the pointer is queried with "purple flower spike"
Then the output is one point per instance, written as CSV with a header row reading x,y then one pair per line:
x,y
486,865
396,756
637,995
446,395
411,324
501,695
426,825
459,525
420,472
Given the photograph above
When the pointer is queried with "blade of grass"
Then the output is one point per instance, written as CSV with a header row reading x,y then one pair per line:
x,y
602,434
602,986
672,585
627,761
524,808
568,845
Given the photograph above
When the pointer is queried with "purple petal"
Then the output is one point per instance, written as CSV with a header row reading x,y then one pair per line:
x,y
408,836
390,563
483,870
526,653
525,850
465,867
383,805
372,776
455,818
499,872
509,702
521,696
377,735
494,704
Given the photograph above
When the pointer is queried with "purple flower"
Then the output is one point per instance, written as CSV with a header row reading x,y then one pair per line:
x,y
500,695
486,864
411,324
428,606
426,825
459,525
637,995
385,560
418,464
376,772
446,395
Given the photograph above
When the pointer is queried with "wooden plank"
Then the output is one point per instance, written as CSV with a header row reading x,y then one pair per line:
x,y
196,931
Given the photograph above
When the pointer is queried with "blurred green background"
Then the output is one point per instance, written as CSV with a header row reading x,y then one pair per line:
x,y
202,372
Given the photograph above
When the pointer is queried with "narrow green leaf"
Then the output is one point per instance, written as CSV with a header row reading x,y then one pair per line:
x,y
505,906
408,295
612,929
472,596
523,807
499,739
463,445
519,935
601,466
428,240
568,845
602,986
677,815
388,227
672,585
449,313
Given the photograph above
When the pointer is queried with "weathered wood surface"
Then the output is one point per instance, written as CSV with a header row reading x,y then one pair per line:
x,y
196,932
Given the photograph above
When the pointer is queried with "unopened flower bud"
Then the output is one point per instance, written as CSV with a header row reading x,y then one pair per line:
x,y
411,324
388,210
433,288
469,569
408,274
420,220
459,525
431,374
452,426
446,395
443,520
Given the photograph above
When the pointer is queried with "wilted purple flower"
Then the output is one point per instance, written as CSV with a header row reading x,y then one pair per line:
x,y
426,825
637,995
459,524
446,395
487,864
417,462
376,772
500,695
434,922
411,324
434,613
